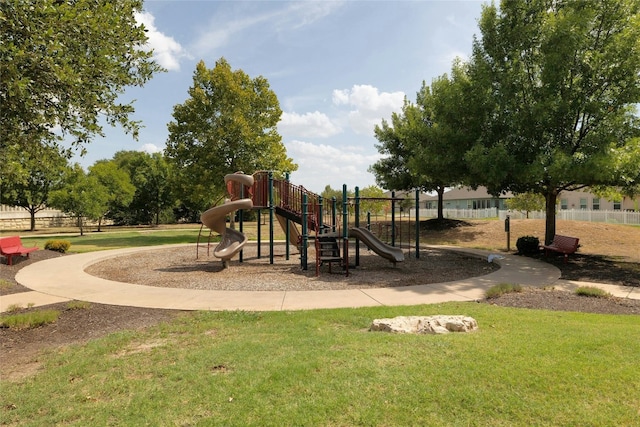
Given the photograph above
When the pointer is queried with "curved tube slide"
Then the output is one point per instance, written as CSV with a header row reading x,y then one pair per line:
x,y
232,241
391,253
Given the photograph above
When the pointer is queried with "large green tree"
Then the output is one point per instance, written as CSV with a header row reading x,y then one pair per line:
x,y
227,124
151,178
424,145
558,81
82,196
31,178
118,183
63,65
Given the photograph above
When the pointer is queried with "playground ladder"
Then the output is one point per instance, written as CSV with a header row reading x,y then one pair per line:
x,y
198,242
327,250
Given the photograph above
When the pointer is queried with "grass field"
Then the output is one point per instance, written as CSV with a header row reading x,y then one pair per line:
x,y
323,367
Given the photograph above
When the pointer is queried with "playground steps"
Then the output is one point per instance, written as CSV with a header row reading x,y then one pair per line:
x,y
327,250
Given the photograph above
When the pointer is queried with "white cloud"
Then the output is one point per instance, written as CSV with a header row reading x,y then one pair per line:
x,y
307,125
321,165
166,51
150,148
369,106
295,15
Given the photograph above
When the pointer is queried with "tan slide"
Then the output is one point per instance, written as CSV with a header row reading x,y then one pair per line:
x,y
294,233
391,253
232,241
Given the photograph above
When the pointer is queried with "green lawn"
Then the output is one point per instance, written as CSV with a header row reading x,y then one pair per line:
x,y
323,367
118,239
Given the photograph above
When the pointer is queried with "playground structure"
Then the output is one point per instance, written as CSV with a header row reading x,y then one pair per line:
x,y
291,204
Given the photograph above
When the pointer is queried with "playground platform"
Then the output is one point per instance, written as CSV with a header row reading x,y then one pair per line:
x,y
63,278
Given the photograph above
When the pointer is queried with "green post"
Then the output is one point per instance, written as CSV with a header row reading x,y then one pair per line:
x,y
240,219
393,218
345,228
334,213
320,214
357,224
305,236
271,211
417,223
287,231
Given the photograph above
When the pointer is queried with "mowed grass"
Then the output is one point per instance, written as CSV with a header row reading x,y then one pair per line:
x,y
93,241
323,367
118,239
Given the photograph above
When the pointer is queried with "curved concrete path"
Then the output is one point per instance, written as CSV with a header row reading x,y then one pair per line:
x,y
64,278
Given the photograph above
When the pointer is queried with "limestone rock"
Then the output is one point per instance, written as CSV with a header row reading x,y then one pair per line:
x,y
441,324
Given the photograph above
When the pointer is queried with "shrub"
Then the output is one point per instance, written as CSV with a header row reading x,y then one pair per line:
x,y
592,291
502,288
29,320
528,245
61,246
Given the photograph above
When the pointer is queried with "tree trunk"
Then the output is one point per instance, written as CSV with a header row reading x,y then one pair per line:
x,y
440,191
81,225
33,219
550,222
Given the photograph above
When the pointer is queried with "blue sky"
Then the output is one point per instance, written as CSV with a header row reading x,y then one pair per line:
x,y
337,67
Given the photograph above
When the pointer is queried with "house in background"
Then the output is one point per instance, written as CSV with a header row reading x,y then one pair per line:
x,y
467,198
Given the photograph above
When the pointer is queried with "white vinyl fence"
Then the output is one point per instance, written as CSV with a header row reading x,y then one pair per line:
x,y
615,217
458,213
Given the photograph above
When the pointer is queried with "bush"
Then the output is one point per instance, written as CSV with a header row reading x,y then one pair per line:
x,y
61,246
592,291
502,288
528,245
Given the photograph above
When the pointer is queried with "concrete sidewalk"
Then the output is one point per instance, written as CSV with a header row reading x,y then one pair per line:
x,y
61,279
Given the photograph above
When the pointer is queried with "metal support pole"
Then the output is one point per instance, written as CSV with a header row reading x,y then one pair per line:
x,y
345,228
271,212
241,220
334,214
357,224
259,231
305,235
287,230
417,224
393,218
320,214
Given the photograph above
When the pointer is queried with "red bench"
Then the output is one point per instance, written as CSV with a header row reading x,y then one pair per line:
x,y
563,244
10,246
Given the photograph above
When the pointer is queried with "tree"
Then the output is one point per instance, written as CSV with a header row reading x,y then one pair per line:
x,y
30,179
424,146
63,65
150,175
82,196
116,181
227,124
557,82
372,206
526,202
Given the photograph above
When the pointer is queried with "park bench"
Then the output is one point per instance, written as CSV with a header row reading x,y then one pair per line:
x,y
562,244
10,246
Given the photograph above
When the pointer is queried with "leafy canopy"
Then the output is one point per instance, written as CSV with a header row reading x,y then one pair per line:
x,y
227,124
63,65
556,83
